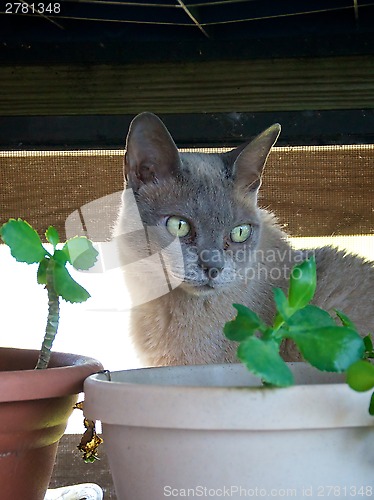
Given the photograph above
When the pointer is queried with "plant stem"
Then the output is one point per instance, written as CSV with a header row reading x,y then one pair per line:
x,y
52,320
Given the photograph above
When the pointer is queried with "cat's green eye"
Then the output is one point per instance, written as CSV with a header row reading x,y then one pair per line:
x,y
241,233
177,227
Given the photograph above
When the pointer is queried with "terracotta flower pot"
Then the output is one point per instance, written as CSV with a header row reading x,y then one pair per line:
x,y
34,408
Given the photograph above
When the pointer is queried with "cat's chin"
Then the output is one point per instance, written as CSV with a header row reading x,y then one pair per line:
x,y
201,290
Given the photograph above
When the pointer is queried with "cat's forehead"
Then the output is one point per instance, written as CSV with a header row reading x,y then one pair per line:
x,y
203,165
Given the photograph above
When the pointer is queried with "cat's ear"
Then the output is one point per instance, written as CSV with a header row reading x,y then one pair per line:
x,y
250,162
151,153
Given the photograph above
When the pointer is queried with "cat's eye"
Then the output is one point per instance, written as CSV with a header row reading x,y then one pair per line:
x,y
177,227
241,233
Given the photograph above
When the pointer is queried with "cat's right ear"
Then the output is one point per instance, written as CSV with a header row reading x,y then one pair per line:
x,y
151,153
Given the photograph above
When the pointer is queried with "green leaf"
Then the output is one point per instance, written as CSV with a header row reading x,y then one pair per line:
x,y
360,376
310,317
23,241
281,302
328,348
371,405
244,325
303,282
60,257
80,252
42,271
345,320
369,348
52,236
262,358
66,286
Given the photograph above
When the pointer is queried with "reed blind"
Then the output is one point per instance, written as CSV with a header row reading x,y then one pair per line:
x,y
314,191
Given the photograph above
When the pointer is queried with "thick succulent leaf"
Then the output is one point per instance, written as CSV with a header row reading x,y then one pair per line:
x,y
60,257
371,405
80,252
23,241
66,286
303,282
369,348
310,317
282,304
263,360
360,376
42,271
328,348
52,236
245,324
345,320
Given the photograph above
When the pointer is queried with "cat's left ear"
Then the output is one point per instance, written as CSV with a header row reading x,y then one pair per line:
x,y
250,162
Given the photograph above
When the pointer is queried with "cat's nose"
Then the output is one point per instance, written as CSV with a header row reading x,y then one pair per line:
x,y
211,262
213,272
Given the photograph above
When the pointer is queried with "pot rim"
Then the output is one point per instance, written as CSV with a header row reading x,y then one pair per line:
x,y
65,376
313,405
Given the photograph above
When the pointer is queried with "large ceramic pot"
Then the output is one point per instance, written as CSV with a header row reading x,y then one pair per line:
x,y
34,409
208,431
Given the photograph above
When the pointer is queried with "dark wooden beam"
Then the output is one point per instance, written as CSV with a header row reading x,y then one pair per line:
x,y
202,129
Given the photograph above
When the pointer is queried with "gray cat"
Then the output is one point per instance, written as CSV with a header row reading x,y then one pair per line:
x,y
217,247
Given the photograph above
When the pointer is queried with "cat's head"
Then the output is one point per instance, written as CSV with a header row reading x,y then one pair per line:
x,y
208,202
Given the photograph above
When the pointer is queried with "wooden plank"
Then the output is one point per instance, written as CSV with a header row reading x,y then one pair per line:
x,y
189,87
70,469
314,191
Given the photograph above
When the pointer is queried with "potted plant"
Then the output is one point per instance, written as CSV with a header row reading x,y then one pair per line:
x,y
217,430
38,390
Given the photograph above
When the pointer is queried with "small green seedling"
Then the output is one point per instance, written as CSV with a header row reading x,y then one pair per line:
x,y
26,246
322,342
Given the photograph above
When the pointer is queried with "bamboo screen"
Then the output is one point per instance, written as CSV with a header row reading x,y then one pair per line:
x,y
314,191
